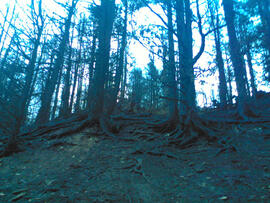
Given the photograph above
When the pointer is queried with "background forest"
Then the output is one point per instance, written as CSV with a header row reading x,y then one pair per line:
x,y
134,101
79,60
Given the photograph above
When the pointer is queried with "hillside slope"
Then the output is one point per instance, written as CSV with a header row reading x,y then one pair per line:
x,y
138,166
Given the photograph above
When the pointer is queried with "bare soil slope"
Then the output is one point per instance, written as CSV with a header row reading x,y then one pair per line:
x,y
136,166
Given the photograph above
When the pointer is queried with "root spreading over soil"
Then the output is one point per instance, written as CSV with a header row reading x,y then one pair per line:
x,y
138,165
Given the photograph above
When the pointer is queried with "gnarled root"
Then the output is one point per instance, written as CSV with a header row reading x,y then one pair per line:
x,y
108,127
11,147
168,125
192,128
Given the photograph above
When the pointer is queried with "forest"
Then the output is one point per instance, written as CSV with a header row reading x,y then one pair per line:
x,y
135,101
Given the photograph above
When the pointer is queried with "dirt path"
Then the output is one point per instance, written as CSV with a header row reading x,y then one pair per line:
x,y
89,167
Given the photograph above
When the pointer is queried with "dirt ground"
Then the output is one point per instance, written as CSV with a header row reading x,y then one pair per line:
x,y
91,167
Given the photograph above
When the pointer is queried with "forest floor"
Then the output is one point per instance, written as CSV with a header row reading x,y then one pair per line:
x,y
134,167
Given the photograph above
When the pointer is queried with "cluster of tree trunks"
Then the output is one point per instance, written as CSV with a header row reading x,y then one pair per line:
x,y
68,65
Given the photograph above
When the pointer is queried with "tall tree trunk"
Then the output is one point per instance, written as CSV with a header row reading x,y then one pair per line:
x,y
187,78
251,73
246,80
46,97
81,66
264,11
26,94
230,94
219,60
64,109
236,56
30,70
75,79
172,91
124,80
120,67
105,25
55,104
79,90
3,77
91,65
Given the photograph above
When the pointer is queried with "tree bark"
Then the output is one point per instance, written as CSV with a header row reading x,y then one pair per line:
x,y
30,70
55,105
91,65
124,81
236,56
46,98
219,60
251,72
120,67
64,109
187,78
264,11
105,25
172,91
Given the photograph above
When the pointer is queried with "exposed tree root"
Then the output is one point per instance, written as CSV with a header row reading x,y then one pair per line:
x,y
168,125
59,129
186,133
165,126
13,146
64,128
251,112
192,129
108,127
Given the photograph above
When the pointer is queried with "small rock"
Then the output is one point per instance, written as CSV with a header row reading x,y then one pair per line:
x,y
191,164
203,185
223,198
201,170
52,190
49,182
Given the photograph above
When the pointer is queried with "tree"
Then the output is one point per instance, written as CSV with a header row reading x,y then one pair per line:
x,y
153,86
184,34
46,97
248,40
185,47
172,91
236,55
64,108
215,22
81,32
137,92
105,14
120,67
264,12
37,20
